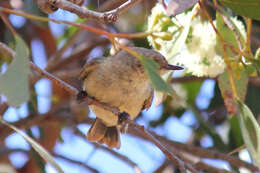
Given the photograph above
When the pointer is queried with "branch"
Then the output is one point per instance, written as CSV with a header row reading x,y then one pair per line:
x,y
252,80
140,129
204,153
109,16
121,157
168,153
6,49
7,151
76,162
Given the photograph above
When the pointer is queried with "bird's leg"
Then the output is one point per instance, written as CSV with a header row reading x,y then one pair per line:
x,y
81,95
122,121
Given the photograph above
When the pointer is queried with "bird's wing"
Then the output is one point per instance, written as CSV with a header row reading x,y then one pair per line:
x,y
89,67
148,102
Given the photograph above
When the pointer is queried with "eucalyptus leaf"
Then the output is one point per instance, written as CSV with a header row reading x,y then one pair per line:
x,y
180,40
250,131
247,8
151,69
14,82
37,147
240,76
241,82
227,34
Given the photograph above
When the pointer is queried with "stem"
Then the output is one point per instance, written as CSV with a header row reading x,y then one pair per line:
x,y
248,41
229,69
82,26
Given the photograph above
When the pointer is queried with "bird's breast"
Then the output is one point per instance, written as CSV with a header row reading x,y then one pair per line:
x,y
122,88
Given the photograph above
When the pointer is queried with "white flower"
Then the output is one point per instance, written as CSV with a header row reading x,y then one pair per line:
x,y
163,29
200,57
195,64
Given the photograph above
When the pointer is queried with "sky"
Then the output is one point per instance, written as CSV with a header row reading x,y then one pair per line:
x,y
145,154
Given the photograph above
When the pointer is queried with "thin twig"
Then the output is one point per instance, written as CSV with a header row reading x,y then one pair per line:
x,y
76,162
169,154
116,111
252,80
223,45
203,153
7,23
118,155
82,50
109,16
6,49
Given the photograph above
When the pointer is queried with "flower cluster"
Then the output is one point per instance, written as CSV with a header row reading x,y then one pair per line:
x,y
199,55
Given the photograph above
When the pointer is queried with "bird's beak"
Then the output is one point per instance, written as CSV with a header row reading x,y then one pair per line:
x,y
173,67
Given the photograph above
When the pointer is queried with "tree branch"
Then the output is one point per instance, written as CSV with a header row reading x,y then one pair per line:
x,y
140,129
109,16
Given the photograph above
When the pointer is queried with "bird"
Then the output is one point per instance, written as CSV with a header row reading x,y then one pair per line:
x,y
119,81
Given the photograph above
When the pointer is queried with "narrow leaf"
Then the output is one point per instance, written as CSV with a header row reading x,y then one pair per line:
x,y
228,35
180,40
241,82
250,131
151,69
14,82
247,8
240,75
37,147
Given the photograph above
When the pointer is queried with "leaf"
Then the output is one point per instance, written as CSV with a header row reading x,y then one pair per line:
x,y
247,8
252,99
250,131
37,147
227,34
14,82
151,68
240,75
192,89
178,6
180,40
241,82
235,135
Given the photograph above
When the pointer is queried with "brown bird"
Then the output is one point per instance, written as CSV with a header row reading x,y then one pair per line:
x,y
119,81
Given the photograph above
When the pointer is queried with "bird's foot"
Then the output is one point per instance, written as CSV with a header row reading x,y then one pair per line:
x,y
81,95
122,121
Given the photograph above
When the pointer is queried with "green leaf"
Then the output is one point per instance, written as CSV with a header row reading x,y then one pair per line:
x,y
235,135
247,8
151,69
250,131
192,88
252,99
256,64
37,147
14,82
227,34
241,82
181,38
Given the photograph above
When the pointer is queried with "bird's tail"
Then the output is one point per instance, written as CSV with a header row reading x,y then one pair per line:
x,y
102,134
